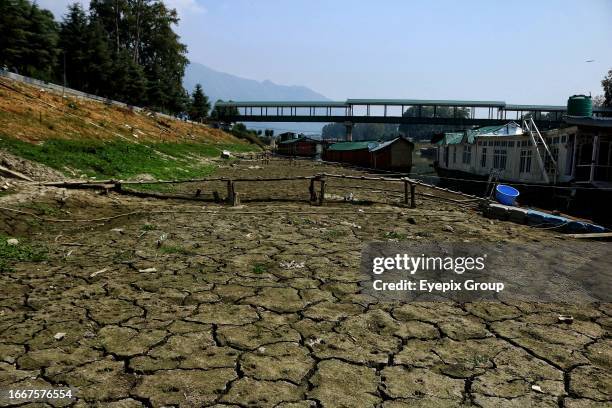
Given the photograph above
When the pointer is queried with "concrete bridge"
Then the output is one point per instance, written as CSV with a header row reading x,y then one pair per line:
x,y
393,111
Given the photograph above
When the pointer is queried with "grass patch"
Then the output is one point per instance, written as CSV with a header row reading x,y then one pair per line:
x,y
395,235
44,209
121,160
22,252
148,227
332,233
260,269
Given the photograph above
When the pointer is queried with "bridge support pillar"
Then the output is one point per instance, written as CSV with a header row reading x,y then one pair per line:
x,y
349,131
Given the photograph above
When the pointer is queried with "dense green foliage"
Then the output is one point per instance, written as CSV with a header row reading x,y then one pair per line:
x,y
425,132
218,111
199,106
28,39
379,131
606,83
361,131
121,49
122,160
240,131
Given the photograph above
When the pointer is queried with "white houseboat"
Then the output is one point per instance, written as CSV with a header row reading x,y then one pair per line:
x,y
514,153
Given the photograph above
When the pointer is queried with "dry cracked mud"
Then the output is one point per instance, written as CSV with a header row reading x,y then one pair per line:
x,y
199,304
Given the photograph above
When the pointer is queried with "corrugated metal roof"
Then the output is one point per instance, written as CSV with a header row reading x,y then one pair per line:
x,y
472,134
343,146
427,102
305,139
548,108
451,138
595,122
387,143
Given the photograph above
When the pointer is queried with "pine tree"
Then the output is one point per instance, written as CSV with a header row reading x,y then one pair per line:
x,y
28,39
143,30
129,83
199,106
73,43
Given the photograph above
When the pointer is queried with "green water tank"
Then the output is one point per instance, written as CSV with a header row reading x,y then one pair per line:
x,y
580,105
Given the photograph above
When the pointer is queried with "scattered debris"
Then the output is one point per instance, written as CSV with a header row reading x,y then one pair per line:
x,y
58,336
117,230
349,197
161,239
292,265
350,224
14,174
537,388
94,274
147,270
12,242
448,228
411,220
226,154
567,319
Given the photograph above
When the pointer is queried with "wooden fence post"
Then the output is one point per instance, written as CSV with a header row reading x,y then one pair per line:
x,y
412,195
311,190
322,193
405,191
230,191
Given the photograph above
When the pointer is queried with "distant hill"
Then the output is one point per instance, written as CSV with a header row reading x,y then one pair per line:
x,y
219,85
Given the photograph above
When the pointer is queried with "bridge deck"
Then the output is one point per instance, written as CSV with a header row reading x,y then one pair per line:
x,y
391,111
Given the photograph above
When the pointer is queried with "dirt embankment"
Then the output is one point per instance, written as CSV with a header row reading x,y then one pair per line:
x,y
32,114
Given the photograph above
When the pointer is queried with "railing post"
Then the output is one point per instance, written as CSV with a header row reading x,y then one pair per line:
x,y
405,191
322,192
311,190
230,191
412,195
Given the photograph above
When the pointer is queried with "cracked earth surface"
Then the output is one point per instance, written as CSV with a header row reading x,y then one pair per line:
x,y
261,306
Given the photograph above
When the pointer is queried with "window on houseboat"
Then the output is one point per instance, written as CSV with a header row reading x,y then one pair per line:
x,y
483,159
525,162
499,159
467,154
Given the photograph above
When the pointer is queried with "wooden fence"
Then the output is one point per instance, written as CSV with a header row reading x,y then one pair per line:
x,y
318,188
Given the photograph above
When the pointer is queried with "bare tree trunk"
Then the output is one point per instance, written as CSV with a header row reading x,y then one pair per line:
x,y
137,45
117,25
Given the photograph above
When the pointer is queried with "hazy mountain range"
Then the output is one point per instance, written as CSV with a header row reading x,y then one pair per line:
x,y
220,85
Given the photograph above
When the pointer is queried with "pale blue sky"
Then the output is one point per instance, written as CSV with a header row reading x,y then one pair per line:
x,y
516,51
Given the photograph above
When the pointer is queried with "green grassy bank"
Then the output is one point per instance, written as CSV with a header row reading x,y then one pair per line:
x,y
122,160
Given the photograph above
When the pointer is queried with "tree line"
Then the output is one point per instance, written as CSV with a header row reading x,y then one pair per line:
x,y
125,50
379,131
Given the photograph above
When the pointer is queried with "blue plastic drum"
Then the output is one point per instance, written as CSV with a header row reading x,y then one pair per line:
x,y
506,195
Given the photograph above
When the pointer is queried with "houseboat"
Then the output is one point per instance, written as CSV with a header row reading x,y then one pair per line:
x,y
301,146
576,158
395,154
511,152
